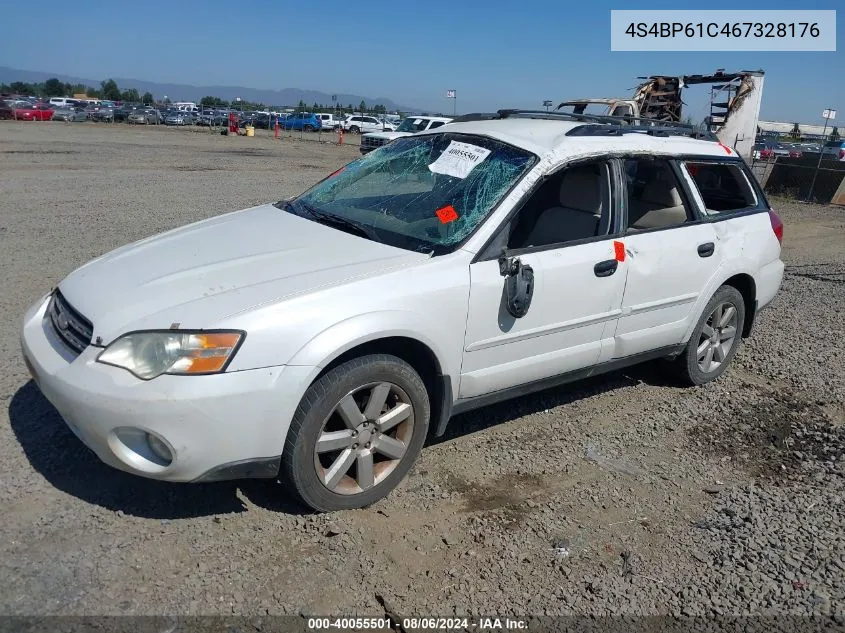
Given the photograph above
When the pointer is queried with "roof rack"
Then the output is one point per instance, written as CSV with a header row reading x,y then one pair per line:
x,y
599,124
659,128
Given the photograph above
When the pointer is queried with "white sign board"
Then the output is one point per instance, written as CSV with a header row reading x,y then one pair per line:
x,y
459,159
829,114
450,94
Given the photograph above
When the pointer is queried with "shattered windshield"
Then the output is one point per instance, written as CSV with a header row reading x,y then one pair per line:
x,y
426,193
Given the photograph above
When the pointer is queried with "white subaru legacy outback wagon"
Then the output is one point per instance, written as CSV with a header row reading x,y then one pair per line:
x,y
321,339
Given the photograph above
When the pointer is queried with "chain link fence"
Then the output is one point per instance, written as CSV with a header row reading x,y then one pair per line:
x,y
793,177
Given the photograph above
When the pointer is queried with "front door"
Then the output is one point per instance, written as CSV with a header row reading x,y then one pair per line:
x,y
563,232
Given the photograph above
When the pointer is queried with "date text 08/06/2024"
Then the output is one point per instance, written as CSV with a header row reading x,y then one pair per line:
x,y
491,623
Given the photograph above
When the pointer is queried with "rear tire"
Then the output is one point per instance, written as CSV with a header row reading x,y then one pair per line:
x,y
356,433
714,340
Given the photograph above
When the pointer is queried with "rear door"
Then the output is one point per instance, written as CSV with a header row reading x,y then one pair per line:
x,y
671,256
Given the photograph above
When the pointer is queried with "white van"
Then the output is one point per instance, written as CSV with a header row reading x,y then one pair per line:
x,y
63,102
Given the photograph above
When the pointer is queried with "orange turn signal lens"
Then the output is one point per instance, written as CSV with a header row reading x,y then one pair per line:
x,y
207,353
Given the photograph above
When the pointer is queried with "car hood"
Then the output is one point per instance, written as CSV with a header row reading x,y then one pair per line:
x,y
201,274
388,135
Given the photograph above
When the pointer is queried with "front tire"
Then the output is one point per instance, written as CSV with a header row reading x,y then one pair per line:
x,y
355,129
715,339
356,433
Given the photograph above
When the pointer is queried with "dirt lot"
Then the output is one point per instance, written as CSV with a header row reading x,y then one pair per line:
x,y
623,494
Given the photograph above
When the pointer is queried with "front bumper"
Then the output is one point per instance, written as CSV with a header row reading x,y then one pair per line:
x,y
214,425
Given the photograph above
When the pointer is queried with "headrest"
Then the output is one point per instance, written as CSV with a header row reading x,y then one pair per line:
x,y
580,189
661,192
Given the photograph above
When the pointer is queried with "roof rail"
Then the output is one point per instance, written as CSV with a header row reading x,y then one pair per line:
x,y
652,130
599,124
476,116
570,116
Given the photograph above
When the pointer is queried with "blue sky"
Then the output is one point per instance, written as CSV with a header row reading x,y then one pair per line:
x,y
494,53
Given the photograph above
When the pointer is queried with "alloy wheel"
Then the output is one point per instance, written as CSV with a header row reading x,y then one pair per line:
x,y
364,438
717,337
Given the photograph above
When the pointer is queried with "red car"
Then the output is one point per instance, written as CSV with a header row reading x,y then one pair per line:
x,y
781,149
26,111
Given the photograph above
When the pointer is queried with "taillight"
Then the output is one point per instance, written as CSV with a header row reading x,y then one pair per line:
x,y
777,225
841,154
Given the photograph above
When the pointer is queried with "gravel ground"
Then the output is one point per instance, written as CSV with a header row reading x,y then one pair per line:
x,y
619,495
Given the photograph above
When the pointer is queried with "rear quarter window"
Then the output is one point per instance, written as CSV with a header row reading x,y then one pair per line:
x,y
722,187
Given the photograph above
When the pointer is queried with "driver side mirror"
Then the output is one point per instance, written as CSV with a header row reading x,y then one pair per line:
x,y
519,284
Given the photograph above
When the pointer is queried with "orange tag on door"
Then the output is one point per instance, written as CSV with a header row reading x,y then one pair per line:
x,y
447,214
619,251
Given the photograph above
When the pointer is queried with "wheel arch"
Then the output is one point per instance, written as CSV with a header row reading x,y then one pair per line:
x,y
737,276
360,337
747,287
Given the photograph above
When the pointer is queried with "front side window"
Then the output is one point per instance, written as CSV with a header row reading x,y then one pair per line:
x,y
426,193
571,205
723,186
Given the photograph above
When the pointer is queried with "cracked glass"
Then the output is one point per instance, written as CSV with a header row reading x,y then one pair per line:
x,y
393,195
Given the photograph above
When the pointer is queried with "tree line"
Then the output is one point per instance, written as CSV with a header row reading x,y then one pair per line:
x,y
110,91
54,87
217,102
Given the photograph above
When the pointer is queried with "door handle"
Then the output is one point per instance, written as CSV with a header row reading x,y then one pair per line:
x,y
706,249
606,268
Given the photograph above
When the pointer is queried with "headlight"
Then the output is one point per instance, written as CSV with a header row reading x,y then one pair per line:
x,y
151,354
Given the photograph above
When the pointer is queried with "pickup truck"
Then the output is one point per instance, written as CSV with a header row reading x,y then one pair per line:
x,y
409,126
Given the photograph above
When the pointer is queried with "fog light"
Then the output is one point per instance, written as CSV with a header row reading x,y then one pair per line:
x,y
159,448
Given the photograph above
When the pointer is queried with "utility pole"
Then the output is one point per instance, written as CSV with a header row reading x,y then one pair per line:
x,y
828,114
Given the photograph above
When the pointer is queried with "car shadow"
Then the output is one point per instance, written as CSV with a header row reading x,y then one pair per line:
x,y
651,373
64,461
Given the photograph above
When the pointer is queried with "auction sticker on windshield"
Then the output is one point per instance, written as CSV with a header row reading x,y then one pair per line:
x,y
459,159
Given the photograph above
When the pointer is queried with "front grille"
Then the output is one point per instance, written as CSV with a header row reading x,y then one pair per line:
x,y
372,142
74,329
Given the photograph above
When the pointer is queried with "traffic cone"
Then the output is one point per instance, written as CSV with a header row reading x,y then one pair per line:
x,y
276,132
340,139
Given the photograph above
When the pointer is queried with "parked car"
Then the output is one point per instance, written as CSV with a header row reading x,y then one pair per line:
x,y
779,149
409,126
301,121
262,120
329,122
28,111
70,114
358,124
218,119
144,117
7,108
100,113
180,117
62,102
324,338
834,150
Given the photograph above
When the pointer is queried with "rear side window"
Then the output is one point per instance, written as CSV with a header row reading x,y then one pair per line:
x,y
655,199
723,187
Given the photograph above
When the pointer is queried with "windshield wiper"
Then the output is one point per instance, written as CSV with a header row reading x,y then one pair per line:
x,y
343,224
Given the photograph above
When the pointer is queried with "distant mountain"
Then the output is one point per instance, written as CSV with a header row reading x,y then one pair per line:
x,y
185,92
